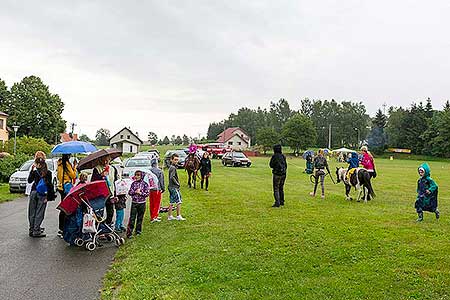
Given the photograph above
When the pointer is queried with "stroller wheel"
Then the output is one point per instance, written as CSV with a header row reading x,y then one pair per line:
x,y
79,242
122,241
110,238
91,246
117,242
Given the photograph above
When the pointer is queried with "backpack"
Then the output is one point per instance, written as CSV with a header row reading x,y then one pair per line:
x,y
41,187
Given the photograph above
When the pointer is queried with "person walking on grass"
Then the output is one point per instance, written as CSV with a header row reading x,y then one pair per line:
x,y
139,192
156,194
42,191
174,189
279,168
427,193
66,174
205,169
320,165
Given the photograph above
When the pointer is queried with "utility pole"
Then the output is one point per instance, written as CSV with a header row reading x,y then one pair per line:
x,y
384,108
329,137
72,129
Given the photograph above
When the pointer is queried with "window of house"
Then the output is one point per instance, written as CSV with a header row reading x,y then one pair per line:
x,y
239,143
131,149
121,136
230,143
128,136
1,123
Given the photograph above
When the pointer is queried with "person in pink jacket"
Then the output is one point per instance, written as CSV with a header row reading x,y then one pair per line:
x,y
367,162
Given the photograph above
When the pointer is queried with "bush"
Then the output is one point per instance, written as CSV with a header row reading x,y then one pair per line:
x,y
9,164
27,146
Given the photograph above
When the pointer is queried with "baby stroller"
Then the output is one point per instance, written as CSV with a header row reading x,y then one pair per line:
x,y
85,225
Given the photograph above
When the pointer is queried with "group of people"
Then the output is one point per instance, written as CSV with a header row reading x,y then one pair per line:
x,y
144,185
427,189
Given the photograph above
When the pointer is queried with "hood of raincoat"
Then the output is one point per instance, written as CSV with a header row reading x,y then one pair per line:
x,y
277,148
426,168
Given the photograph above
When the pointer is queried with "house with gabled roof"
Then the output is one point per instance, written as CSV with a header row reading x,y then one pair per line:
x,y
126,140
235,137
4,134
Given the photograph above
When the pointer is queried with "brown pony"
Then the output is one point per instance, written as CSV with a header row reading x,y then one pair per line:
x,y
192,165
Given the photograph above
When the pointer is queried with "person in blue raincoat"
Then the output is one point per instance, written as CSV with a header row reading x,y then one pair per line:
x,y
353,161
427,193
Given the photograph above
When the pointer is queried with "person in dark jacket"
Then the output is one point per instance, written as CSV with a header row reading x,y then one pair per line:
x,y
320,165
205,169
427,193
279,168
42,191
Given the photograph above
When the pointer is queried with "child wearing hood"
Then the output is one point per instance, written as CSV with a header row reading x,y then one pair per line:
x,y
427,193
139,191
279,168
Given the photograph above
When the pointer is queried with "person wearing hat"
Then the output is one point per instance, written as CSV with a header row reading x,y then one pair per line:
x,y
279,168
367,162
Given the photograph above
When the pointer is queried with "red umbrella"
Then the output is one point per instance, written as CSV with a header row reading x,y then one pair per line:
x,y
91,161
86,192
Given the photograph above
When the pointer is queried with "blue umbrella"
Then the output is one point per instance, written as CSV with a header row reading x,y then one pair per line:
x,y
308,152
73,147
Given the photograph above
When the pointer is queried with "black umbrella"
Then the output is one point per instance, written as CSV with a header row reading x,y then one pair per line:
x,y
91,161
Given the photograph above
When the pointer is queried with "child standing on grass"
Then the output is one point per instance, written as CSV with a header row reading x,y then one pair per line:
x,y
174,189
427,193
279,168
139,192
319,167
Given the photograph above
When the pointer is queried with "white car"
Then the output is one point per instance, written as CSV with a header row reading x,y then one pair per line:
x,y
19,179
134,164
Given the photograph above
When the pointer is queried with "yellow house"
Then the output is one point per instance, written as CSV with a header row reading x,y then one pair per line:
x,y
3,129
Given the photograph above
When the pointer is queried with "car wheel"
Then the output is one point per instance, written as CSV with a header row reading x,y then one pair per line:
x,y
248,165
11,191
224,163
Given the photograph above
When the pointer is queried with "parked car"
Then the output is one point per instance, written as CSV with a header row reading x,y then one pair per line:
x,y
19,179
181,154
151,154
134,164
236,159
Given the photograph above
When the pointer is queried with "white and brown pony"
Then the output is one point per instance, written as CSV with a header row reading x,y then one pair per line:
x,y
359,179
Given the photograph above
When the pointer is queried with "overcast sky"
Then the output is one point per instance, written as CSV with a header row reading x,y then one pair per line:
x,y
174,66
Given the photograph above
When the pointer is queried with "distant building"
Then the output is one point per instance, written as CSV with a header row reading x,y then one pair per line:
x,y
235,138
126,141
4,135
66,137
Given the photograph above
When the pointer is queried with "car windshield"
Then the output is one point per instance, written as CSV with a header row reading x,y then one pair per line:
x,y
50,164
26,166
138,163
239,155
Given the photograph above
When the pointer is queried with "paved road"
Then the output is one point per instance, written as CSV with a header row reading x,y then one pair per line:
x,y
46,268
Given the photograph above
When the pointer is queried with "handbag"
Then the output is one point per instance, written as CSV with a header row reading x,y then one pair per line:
x,y
89,222
67,187
41,187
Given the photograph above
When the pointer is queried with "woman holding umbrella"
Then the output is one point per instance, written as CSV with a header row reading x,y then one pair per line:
x,y
66,176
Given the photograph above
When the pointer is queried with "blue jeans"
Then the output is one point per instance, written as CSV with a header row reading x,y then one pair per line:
x,y
119,218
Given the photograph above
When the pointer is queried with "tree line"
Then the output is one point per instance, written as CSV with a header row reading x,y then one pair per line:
x,y
419,127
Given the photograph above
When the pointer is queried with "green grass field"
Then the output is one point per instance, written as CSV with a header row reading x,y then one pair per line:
x,y
235,246
5,195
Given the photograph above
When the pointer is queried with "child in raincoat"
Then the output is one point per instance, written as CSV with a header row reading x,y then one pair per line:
x,y
427,193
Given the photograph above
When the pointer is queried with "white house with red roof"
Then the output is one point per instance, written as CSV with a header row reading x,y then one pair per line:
x,y
235,138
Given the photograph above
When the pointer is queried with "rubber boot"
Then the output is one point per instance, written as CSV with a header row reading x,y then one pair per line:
x,y
420,218
438,214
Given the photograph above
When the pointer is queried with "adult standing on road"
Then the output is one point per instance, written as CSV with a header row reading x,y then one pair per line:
x,y
66,175
279,168
367,162
104,171
42,191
